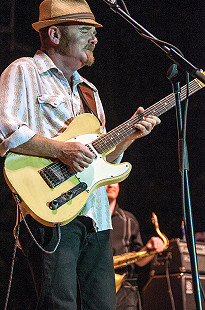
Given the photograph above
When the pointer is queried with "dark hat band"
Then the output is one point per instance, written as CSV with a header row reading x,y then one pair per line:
x,y
74,16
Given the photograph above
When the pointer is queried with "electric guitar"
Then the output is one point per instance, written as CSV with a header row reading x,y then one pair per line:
x,y
50,193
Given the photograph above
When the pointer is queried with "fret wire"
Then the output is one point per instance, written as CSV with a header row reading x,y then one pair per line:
x,y
194,83
100,143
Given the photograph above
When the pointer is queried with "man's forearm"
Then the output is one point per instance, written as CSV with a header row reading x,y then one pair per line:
x,y
74,154
120,148
144,261
39,146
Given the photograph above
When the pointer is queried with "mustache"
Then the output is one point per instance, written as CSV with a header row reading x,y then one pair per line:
x,y
89,47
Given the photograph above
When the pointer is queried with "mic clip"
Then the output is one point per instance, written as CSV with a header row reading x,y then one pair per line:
x,y
113,5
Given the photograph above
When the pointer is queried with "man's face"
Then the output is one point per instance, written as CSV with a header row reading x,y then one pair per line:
x,y
112,191
78,43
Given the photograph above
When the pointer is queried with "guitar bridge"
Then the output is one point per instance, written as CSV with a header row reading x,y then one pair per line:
x,y
67,196
55,174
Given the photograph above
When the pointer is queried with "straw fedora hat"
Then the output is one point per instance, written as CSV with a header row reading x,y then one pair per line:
x,y
53,12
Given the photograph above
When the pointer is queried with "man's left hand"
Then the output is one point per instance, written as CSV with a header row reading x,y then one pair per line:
x,y
145,126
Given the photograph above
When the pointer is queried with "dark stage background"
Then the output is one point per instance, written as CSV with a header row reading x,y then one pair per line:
x,y
129,72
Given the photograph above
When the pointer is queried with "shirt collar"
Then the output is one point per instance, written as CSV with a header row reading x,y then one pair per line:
x,y
45,64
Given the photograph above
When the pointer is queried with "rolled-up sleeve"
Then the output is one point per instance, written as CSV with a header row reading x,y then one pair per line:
x,y
14,129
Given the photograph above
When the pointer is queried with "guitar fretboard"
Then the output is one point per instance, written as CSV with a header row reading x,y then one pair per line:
x,y
116,135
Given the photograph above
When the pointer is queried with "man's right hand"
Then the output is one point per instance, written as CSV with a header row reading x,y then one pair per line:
x,y
76,156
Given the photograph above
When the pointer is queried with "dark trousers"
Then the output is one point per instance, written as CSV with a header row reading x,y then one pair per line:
x,y
82,260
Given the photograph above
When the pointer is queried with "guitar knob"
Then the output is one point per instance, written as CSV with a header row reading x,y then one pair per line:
x,y
68,195
54,204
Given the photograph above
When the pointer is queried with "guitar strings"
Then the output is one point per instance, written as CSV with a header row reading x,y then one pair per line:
x,y
56,173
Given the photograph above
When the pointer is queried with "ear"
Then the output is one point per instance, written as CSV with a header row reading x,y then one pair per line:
x,y
54,34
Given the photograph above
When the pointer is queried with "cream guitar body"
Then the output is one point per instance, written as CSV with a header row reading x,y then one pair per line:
x,y
59,197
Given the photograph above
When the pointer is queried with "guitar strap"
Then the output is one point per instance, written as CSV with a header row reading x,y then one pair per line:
x,y
87,96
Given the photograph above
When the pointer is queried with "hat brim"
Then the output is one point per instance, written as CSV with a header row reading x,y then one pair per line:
x,y
46,23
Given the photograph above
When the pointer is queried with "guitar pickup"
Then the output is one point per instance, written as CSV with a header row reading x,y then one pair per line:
x,y
67,196
90,149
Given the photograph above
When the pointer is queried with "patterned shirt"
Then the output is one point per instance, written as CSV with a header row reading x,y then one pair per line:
x,y
36,98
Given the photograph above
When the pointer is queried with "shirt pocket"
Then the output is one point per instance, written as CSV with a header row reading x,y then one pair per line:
x,y
53,101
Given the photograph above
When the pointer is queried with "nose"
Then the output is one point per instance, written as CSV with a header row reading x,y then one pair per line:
x,y
93,39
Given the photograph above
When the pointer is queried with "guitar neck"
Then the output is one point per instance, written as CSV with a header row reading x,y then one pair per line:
x,y
116,135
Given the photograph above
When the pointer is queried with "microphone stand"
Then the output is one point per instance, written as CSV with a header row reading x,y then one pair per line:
x,y
178,59
174,77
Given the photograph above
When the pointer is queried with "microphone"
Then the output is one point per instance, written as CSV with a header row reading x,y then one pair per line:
x,y
115,6
111,2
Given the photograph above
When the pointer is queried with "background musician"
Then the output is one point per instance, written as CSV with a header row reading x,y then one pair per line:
x,y
125,237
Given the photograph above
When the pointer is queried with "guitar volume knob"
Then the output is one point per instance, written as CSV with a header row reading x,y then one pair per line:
x,y
53,205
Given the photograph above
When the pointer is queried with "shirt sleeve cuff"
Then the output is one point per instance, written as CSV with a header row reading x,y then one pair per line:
x,y
20,136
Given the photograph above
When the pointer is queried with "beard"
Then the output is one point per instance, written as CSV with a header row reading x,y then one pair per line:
x,y
89,53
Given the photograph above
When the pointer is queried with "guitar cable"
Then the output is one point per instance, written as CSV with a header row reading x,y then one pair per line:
x,y
12,268
16,198
168,258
